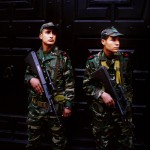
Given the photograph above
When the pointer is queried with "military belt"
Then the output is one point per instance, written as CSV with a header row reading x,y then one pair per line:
x,y
40,104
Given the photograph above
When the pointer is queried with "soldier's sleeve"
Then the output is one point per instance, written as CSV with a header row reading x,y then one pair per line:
x,y
28,75
69,81
128,75
92,87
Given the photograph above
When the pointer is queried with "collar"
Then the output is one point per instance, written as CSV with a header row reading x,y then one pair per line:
x,y
50,55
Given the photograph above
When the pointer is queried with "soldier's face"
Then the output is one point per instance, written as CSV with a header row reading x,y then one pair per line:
x,y
48,36
111,44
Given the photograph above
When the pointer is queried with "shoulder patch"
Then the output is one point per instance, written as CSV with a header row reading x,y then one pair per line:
x,y
126,54
64,54
91,57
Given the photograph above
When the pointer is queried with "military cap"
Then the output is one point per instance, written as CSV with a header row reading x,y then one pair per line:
x,y
49,25
111,31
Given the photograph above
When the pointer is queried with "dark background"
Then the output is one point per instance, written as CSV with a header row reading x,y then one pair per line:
x,y
80,23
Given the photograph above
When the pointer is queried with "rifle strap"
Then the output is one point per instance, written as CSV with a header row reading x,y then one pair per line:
x,y
117,69
103,63
57,65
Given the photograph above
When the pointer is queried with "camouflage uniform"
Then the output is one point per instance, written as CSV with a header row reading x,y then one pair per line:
x,y
39,112
108,128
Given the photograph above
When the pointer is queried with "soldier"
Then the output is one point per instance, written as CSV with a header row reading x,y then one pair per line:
x,y
58,63
108,128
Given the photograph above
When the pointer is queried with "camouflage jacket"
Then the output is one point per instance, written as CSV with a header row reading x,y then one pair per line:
x,y
63,80
92,87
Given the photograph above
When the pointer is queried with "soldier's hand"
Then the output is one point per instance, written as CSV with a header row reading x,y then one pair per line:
x,y
35,83
107,99
67,112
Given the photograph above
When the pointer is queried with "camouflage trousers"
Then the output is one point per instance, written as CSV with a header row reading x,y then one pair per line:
x,y
109,130
40,122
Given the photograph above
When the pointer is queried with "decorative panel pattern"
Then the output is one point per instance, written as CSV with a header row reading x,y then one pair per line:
x,y
20,21
81,22
89,17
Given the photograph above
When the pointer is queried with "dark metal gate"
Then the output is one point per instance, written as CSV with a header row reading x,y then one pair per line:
x,y
81,22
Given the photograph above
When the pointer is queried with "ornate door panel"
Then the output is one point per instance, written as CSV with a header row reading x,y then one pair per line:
x,y
80,22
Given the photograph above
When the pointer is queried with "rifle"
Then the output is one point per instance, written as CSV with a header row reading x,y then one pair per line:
x,y
103,75
46,82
